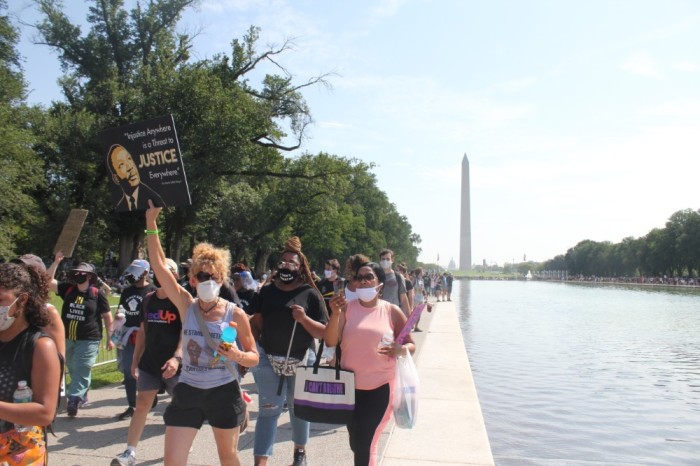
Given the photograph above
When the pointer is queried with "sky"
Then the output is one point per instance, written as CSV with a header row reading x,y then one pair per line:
x,y
580,120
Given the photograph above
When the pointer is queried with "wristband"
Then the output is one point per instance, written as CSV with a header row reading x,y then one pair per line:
x,y
151,232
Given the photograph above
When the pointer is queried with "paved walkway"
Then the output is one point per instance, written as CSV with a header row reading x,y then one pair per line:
x,y
450,428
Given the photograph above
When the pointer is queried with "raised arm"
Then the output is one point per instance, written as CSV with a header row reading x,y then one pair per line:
x,y
334,329
177,294
51,271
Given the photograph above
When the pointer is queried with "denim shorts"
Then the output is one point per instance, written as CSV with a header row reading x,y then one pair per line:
x,y
221,406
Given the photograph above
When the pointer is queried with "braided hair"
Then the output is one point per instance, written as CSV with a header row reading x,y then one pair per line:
x,y
293,245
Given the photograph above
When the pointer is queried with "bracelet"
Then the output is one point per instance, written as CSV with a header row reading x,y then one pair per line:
x,y
151,232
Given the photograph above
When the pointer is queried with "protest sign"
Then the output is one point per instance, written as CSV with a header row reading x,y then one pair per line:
x,y
144,162
71,231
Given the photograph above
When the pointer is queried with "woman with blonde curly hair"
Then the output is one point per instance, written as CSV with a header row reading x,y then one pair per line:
x,y
206,390
288,314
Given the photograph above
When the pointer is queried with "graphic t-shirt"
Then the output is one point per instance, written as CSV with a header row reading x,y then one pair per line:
x,y
200,368
274,305
246,298
163,325
132,299
82,311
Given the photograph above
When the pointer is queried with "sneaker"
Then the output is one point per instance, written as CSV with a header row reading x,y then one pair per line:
x,y
128,458
299,457
72,405
126,414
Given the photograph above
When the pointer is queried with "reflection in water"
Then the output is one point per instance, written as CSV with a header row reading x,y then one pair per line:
x,y
570,374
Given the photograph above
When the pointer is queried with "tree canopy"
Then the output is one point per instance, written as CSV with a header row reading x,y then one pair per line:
x,y
250,189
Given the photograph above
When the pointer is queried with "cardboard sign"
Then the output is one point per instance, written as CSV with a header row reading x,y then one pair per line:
x,y
144,162
71,231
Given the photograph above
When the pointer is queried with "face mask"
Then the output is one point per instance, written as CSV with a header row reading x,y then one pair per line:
x,y
80,279
366,294
5,320
328,273
350,295
287,276
208,291
386,264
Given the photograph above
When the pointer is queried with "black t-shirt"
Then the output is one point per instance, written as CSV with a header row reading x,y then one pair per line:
x,y
131,299
278,322
247,299
82,312
163,326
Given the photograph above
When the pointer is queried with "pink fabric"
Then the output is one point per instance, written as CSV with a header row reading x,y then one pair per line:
x,y
362,333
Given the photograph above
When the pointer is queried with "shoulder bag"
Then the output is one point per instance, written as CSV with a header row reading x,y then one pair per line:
x,y
324,394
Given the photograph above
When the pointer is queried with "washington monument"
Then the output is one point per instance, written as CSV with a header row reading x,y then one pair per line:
x,y
465,234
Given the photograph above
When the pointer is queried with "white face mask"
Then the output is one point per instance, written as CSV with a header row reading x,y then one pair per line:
x,y
208,291
386,264
328,273
366,294
5,320
350,295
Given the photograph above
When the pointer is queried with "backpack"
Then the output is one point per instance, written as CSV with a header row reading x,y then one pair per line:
x,y
26,351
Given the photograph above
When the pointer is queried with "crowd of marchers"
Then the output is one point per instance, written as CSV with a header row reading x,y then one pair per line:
x,y
168,330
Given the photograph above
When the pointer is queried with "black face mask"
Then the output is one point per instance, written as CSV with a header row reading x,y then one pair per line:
x,y
79,279
130,279
287,276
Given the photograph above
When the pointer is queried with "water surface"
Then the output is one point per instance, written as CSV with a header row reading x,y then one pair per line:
x,y
578,374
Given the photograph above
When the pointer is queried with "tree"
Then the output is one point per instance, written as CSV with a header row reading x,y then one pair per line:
x,y
20,169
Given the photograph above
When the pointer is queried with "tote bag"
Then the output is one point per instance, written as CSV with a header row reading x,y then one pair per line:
x,y
324,394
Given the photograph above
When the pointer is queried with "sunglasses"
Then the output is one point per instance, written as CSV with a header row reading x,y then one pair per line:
x,y
204,277
367,277
287,265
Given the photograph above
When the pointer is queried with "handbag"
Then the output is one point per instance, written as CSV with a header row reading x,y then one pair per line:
x,y
282,365
323,393
406,384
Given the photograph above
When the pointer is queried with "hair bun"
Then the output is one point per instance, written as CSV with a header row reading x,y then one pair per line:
x,y
293,244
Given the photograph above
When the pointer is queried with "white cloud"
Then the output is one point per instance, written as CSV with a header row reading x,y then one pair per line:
x,y
641,64
687,66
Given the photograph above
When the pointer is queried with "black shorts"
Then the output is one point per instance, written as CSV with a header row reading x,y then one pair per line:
x,y
222,406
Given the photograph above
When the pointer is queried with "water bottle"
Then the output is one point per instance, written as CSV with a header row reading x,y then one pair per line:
x,y
119,320
228,336
387,340
23,394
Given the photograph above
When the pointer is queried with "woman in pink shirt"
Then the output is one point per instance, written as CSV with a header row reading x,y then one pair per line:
x,y
359,326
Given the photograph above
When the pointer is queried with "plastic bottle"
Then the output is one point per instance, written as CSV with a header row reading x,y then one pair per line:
x,y
228,336
387,340
23,394
119,320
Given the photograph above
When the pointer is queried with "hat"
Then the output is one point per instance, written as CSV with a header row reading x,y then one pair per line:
x,y
171,265
85,267
137,268
31,260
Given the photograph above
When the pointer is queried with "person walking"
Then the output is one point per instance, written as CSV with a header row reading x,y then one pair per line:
x,y
289,314
131,301
84,309
206,390
359,326
26,354
156,361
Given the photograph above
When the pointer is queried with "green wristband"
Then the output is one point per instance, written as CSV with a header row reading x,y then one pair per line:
x,y
151,232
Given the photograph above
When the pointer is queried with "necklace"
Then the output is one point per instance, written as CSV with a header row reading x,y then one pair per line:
x,y
208,310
